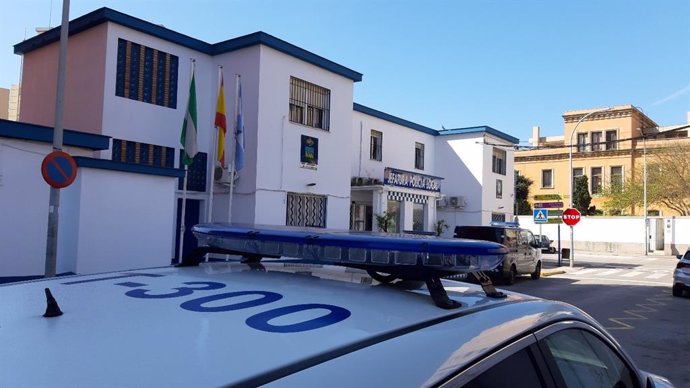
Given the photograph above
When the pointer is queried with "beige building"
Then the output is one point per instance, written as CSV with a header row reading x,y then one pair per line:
x,y
9,103
4,103
606,146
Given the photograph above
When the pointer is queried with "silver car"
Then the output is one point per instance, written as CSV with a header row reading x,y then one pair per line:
x,y
681,276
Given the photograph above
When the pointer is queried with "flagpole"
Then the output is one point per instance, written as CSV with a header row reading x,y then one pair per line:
x,y
234,148
214,147
184,182
184,205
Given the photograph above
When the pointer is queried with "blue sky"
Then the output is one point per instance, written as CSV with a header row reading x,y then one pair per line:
x,y
507,64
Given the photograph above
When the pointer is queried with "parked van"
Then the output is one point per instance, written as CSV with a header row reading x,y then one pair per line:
x,y
524,253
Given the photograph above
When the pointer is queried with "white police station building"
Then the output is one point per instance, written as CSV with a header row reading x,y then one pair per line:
x,y
313,157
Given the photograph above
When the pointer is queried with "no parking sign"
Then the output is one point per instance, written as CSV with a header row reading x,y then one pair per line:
x,y
59,169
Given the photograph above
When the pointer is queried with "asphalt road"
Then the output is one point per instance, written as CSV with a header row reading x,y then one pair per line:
x,y
631,297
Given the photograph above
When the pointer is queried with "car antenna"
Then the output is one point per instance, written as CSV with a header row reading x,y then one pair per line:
x,y
52,309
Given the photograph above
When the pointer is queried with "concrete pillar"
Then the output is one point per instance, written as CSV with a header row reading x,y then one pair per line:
x,y
379,206
535,136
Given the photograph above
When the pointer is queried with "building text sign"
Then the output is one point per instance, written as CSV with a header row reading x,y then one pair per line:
x,y
402,178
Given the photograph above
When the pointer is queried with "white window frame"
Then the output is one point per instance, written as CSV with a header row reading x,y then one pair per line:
x,y
419,156
542,178
376,152
602,179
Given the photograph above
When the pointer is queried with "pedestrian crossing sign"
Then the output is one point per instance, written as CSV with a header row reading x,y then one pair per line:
x,y
541,216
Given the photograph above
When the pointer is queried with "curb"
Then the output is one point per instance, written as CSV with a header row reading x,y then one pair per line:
x,y
552,272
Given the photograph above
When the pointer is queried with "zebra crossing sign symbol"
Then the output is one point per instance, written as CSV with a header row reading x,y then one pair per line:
x,y
541,216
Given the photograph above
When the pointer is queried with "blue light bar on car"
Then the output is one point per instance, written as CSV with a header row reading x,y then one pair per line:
x,y
353,248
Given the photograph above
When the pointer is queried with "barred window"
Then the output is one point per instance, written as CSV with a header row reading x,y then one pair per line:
x,y
143,153
376,145
309,104
306,210
146,74
419,156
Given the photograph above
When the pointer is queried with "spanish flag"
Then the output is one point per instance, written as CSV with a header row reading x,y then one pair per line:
x,y
220,121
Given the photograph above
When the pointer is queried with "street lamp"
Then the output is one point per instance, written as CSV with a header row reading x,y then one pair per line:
x,y
570,158
644,194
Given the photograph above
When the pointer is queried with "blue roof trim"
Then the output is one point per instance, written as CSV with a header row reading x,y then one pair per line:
x,y
33,132
105,164
397,120
286,48
483,128
103,15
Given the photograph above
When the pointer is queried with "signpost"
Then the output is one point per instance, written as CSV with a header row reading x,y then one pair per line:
x,y
548,211
571,217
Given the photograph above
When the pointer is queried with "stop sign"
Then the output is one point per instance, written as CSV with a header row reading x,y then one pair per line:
x,y
571,216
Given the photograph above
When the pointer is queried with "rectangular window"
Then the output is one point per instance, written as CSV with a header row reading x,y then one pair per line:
x,y
577,173
418,217
376,145
611,140
596,179
581,142
143,153
146,74
547,179
309,104
306,210
499,188
499,161
196,174
393,208
616,177
596,141
498,217
419,156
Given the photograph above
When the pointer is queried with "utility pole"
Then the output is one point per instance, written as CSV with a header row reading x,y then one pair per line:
x,y
54,202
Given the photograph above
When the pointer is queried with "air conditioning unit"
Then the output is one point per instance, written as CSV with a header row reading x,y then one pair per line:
x,y
458,201
222,176
441,202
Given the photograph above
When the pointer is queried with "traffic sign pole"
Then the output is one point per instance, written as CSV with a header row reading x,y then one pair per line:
x,y
54,202
571,217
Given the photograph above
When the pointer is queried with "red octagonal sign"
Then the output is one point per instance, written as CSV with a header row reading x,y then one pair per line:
x,y
571,216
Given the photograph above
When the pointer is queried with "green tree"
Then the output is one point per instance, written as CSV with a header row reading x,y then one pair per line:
x,y
668,182
522,185
384,221
581,197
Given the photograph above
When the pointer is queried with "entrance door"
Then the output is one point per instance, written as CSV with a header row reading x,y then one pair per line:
x,y
191,217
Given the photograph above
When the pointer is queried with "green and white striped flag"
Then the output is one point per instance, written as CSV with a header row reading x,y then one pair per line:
x,y
188,136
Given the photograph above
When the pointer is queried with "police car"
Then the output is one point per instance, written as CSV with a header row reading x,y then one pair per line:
x,y
341,310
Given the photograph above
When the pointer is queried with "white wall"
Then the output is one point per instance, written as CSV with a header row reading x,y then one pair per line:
x,y
616,234
278,141
461,161
398,149
149,123
491,204
24,199
122,222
